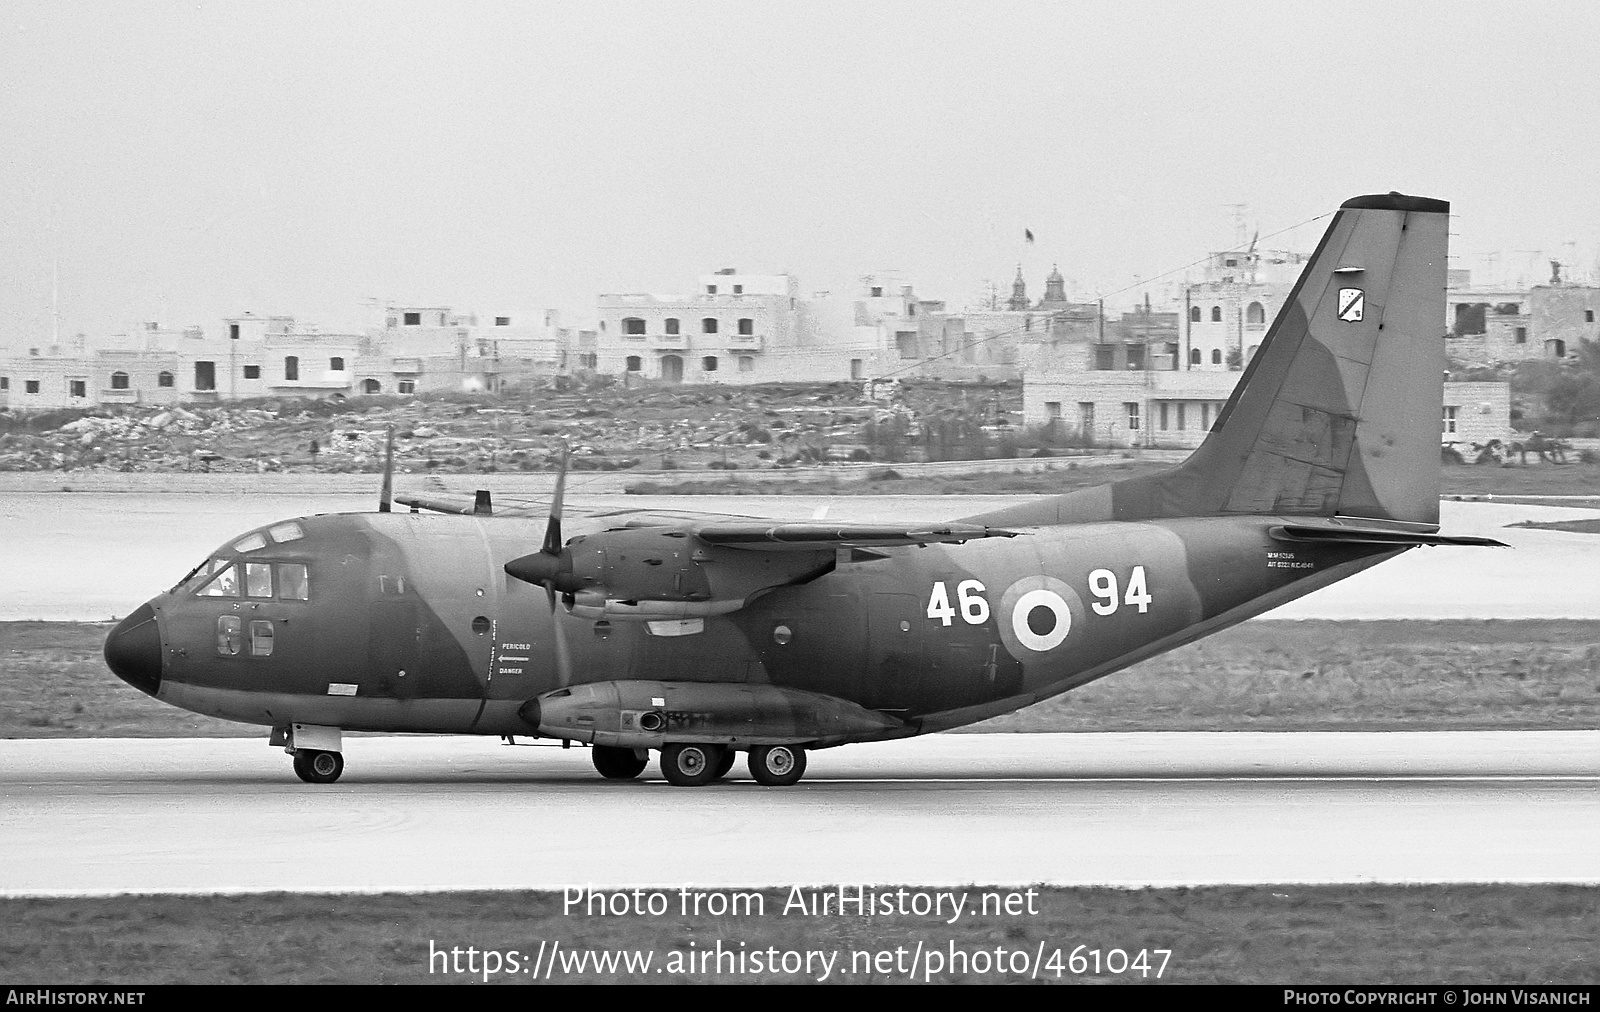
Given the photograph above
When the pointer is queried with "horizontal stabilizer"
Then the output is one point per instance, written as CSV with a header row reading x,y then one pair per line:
x,y
812,536
1304,533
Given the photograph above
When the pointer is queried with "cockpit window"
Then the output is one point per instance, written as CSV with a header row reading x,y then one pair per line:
x,y
292,581
250,543
198,575
258,579
224,584
286,532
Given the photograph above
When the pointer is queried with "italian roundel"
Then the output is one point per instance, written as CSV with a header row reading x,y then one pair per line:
x,y
1036,616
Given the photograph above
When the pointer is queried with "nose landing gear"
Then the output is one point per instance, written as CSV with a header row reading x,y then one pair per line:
x,y
317,751
318,767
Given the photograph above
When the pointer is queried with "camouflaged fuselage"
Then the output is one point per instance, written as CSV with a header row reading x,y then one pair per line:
x,y
410,623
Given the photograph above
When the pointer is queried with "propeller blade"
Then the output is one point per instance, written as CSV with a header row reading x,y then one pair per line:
x,y
552,533
563,658
544,568
386,494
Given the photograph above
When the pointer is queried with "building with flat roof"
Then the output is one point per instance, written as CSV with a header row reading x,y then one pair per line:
x,y
415,350
1488,325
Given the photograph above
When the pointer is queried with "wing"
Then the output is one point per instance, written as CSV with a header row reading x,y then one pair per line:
x,y
482,504
768,537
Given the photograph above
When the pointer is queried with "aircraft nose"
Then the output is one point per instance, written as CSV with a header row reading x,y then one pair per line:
x,y
133,650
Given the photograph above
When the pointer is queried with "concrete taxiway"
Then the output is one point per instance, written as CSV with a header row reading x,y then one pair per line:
x,y
432,813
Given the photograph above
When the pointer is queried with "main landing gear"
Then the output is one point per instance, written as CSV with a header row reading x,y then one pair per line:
x,y
619,763
693,764
777,765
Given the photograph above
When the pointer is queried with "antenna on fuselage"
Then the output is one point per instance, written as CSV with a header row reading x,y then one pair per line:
x,y
386,494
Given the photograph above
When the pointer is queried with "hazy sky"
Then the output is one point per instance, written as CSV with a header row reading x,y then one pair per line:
x,y
187,161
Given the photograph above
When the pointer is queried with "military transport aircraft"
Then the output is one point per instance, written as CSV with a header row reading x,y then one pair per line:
x,y
702,636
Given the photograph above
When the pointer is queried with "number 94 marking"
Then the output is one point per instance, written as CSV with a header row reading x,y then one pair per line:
x,y
1103,585
973,607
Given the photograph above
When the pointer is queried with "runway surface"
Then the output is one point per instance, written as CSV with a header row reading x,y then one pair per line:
x,y
431,813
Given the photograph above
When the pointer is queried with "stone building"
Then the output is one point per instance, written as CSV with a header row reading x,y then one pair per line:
x,y
1174,409
1226,313
417,349
1489,325
1476,413
756,328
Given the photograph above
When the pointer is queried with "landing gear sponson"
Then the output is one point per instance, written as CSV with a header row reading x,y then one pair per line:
x,y
624,720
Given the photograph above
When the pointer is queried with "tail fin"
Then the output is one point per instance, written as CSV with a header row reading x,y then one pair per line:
x,y
1338,412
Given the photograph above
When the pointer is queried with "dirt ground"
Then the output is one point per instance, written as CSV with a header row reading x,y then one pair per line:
x,y
606,427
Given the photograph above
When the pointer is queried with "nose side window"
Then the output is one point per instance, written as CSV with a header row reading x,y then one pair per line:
x,y
230,635
261,638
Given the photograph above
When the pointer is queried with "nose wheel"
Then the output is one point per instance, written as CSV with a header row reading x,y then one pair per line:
x,y
316,767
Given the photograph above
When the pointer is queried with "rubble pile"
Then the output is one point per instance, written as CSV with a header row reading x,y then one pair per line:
x,y
606,429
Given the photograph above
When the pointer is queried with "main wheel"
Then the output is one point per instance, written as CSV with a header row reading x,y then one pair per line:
x,y
777,765
725,763
690,765
318,767
617,763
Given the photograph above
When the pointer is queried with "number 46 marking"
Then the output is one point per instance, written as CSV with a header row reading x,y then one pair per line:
x,y
969,594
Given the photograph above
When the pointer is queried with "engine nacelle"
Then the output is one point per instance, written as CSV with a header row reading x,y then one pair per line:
x,y
648,714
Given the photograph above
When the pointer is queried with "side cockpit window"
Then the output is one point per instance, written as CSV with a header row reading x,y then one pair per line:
x,y
259,580
224,584
292,583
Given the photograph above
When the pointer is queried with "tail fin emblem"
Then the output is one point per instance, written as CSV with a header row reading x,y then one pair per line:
x,y
1351,302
